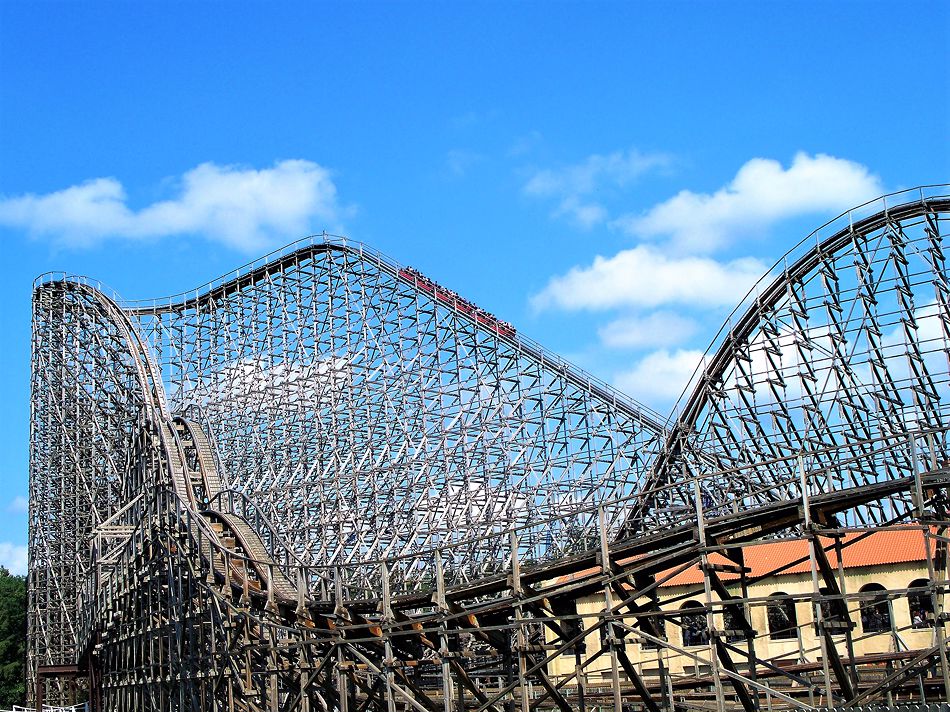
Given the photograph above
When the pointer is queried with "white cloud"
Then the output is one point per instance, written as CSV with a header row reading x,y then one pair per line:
x,y
13,557
619,167
661,376
572,184
661,328
762,193
18,505
645,277
245,208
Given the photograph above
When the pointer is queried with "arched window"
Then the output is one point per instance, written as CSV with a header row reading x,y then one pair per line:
x,y
693,623
921,605
783,622
875,612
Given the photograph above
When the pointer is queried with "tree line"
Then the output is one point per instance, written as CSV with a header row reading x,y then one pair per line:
x,y
12,639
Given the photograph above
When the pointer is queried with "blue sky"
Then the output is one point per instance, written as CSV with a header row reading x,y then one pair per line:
x,y
609,177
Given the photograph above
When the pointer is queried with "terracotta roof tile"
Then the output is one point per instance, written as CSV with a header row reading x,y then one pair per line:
x,y
882,548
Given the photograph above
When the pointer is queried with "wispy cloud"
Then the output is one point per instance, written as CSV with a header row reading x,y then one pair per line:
x,y
761,194
619,167
244,208
660,328
18,505
458,161
646,277
525,144
660,376
574,186
13,557
470,119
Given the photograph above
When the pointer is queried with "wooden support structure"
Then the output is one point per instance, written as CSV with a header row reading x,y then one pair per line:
x,y
328,483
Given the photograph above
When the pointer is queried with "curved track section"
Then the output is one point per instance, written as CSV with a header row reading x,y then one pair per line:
x,y
845,345
92,393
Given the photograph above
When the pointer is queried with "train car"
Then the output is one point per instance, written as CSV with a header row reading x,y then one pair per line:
x,y
451,299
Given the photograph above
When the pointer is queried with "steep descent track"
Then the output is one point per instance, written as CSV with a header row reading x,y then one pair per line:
x,y
391,504
189,483
230,550
204,484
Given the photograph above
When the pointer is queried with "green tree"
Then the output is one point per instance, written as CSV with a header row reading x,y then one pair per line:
x,y
12,639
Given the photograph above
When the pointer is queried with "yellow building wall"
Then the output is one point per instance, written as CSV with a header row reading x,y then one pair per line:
x,y
805,648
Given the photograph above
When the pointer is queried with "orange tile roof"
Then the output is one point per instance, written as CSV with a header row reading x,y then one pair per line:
x,y
882,548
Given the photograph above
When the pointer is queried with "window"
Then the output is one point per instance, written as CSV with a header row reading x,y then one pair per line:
x,y
875,612
921,605
693,623
783,622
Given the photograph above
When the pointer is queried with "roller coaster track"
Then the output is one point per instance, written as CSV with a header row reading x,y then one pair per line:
x,y
734,343
202,484
218,580
190,483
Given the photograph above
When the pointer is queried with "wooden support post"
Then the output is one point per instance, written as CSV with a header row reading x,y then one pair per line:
x,y
738,555
271,602
915,469
722,652
612,640
386,625
343,687
816,587
521,639
707,588
845,681
302,592
40,691
937,581
666,693
637,682
843,590
581,681
444,649
741,692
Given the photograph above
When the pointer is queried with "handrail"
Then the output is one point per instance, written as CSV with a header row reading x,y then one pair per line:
x,y
224,501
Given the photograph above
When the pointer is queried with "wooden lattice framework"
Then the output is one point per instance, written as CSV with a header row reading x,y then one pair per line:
x,y
325,482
